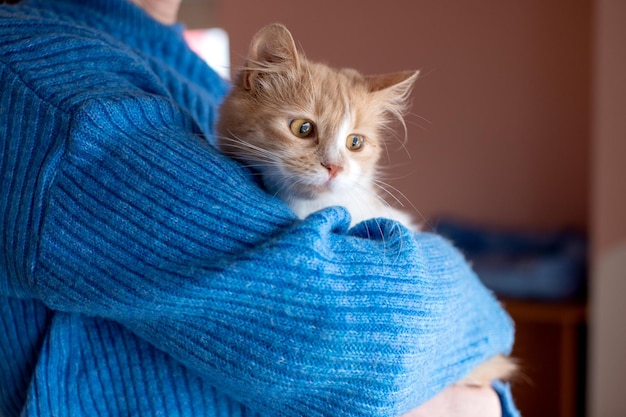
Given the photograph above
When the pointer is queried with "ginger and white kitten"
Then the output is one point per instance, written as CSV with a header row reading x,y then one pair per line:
x,y
315,135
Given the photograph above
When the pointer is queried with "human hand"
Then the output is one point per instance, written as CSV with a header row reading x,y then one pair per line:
x,y
460,401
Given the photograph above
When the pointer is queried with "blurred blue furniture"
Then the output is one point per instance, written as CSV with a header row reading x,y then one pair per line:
x,y
523,264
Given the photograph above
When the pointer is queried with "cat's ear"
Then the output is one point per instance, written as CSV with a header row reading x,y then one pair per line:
x,y
393,91
272,49
398,84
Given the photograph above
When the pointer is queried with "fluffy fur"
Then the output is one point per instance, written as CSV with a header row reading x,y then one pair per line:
x,y
278,86
315,135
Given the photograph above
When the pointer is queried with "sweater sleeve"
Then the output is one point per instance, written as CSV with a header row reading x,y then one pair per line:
x,y
147,225
113,205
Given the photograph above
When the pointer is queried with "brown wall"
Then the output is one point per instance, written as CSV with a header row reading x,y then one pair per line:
x,y
609,127
607,369
501,131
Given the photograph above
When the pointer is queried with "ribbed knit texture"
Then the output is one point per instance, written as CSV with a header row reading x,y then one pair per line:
x,y
142,273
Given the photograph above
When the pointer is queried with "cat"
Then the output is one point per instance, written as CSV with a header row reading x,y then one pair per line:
x,y
315,135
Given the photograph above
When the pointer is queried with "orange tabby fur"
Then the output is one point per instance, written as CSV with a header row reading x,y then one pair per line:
x,y
279,87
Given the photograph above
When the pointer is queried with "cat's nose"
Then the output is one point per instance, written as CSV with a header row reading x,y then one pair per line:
x,y
333,169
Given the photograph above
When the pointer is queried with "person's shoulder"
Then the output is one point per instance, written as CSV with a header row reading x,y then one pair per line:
x,y
30,29
64,63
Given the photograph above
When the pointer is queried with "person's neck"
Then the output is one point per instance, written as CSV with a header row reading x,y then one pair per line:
x,y
164,11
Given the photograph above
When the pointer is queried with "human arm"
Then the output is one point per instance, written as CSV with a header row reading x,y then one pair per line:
x,y
114,207
160,251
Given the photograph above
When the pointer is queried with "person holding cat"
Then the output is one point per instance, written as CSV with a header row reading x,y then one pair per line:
x,y
145,273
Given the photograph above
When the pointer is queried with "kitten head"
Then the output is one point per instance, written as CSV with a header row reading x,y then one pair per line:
x,y
306,128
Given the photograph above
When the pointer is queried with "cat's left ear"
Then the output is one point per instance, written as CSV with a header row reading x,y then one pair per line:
x,y
397,84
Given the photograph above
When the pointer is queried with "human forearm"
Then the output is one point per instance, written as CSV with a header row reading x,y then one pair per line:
x,y
148,230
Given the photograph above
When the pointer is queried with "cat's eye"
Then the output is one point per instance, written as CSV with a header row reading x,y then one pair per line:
x,y
302,128
355,142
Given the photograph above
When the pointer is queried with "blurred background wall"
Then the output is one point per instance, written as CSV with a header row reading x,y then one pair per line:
x,y
500,131
518,121
607,365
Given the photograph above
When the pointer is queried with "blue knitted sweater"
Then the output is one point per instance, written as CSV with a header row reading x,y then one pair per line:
x,y
144,274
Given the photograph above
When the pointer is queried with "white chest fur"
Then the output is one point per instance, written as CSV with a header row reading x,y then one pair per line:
x,y
365,205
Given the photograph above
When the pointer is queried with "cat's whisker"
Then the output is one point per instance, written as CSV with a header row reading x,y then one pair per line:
x,y
289,189
402,141
362,193
413,119
384,187
422,118
240,144
397,176
386,148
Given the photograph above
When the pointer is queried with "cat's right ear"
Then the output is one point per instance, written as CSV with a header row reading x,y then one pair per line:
x,y
398,84
272,50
